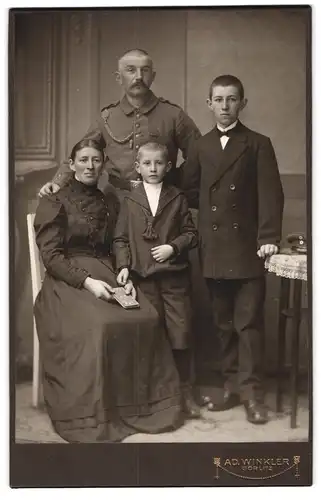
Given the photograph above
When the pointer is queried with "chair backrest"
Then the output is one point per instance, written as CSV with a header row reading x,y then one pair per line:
x,y
36,266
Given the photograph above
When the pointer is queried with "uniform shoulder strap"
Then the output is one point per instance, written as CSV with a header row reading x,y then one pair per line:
x,y
105,111
162,99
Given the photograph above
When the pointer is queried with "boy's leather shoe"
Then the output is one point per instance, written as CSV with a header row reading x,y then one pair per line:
x,y
230,400
189,405
256,412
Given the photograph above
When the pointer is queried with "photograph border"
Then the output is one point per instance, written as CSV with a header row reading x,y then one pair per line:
x,y
156,464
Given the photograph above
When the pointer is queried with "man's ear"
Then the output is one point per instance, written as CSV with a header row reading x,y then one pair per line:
x,y
243,103
118,77
209,103
71,164
137,167
169,166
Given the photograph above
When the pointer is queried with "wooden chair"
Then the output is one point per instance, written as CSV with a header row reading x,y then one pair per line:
x,y
37,273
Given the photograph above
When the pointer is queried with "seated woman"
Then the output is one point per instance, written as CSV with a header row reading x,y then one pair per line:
x,y
108,372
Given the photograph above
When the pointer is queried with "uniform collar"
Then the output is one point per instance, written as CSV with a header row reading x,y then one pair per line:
x,y
150,103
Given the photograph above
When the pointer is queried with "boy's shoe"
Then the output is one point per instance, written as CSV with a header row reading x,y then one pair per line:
x,y
256,412
189,405
230,400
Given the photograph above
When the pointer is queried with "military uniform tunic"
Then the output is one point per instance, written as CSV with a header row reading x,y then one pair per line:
x,y
122,129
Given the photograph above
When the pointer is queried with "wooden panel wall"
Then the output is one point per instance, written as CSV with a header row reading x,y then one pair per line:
x,y
36,92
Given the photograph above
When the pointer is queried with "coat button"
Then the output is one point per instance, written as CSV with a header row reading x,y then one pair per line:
x,y
232,187
214,189
137,135
215,227
137,146
235,225
137,125
214,207
234,206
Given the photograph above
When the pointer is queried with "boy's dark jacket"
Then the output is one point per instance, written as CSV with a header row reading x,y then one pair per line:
x,y
240,198
137,231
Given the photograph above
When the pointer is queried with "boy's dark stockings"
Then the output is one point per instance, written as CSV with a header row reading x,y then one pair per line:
x,y
182,359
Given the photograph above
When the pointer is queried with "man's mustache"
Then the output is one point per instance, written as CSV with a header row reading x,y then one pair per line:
x,y
138,84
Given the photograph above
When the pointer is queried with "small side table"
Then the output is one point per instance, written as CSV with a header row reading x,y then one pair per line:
x,y
292,268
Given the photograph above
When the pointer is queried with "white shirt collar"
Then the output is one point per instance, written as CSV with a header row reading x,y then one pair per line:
x,y
227,128
152,187
153,194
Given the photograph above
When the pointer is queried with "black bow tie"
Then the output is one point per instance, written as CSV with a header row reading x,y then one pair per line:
x,y
227,133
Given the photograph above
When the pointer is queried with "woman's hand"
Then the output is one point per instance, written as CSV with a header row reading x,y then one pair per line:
x,y
123,276
99,288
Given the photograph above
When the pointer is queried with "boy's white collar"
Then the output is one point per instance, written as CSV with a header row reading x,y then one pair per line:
x,y
154,187
227,128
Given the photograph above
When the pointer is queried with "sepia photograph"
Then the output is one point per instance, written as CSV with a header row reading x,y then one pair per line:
x,y
160,245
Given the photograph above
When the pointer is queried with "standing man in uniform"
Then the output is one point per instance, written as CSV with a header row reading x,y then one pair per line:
x,y
138,117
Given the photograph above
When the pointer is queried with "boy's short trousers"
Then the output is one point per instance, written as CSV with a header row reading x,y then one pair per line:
x,y
170,294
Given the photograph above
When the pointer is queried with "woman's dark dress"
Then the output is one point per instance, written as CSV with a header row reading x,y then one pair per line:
x,y
108,372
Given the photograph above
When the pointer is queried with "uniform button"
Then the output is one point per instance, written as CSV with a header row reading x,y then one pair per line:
x,y
137,146
137,125
215,227
137,135
214,189
235,225
232,187
234,206
138,115
214,207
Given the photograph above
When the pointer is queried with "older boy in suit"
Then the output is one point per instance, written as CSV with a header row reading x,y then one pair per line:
x,y
232,177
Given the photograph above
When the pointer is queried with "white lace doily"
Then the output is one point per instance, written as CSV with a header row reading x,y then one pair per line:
x,y
288,266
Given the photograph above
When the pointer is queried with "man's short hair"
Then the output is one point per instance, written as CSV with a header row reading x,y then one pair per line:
x,y
153,146
135,51
226,81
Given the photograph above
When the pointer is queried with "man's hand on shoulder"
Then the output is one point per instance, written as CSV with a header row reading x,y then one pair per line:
x,y
48,188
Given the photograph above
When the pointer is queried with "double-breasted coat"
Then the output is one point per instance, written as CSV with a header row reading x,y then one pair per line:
x,y
240,198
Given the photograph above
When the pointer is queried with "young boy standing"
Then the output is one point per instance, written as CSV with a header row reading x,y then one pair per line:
x,y
152,238
232,177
